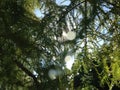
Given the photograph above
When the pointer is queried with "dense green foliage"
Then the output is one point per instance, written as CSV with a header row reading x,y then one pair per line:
x,y
33,48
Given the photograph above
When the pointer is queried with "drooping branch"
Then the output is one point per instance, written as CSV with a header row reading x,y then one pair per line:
x,y
63,14
24,69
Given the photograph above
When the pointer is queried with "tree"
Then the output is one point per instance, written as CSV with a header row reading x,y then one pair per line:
x,y
34,49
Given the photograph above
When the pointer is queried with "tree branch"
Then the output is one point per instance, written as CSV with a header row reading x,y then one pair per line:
x,y
63,14
21,66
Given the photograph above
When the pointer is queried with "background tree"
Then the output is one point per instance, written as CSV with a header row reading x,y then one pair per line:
x,y
34,49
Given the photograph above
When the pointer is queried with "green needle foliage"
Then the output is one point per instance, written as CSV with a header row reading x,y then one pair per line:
x,y
33,49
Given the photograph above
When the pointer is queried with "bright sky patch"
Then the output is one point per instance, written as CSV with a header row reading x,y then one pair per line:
x,y
69,61
38,13
52,74
71,35
63,2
